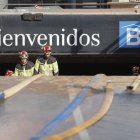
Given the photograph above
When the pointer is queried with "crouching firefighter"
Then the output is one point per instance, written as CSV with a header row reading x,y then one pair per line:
x,y
136,70
25,67
8,73
47,64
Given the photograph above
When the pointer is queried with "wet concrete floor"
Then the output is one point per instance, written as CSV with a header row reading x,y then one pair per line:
x,y
25,114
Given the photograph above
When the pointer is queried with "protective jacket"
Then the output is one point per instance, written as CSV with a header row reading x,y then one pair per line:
x,y
24,70
48,66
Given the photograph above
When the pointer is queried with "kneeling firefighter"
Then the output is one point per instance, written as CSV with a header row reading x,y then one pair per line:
x,y
47,64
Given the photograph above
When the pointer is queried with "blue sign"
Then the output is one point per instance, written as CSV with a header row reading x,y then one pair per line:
x,y
129,35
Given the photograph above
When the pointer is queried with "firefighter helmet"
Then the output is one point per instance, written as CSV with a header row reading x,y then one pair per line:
x,y
46,48
9,73
23,54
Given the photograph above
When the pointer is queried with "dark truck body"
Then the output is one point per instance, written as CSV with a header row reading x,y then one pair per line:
x,y
78,35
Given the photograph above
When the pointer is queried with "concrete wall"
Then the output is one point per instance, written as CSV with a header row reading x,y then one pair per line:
x,y
3,3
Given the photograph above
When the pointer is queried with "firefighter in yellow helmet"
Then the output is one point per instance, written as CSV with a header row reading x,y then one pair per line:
x,y
25,67
47,64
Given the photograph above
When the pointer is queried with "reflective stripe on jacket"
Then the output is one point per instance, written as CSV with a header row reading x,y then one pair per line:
x,y
48,66
24,70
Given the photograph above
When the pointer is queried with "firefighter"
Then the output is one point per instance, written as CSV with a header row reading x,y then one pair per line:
x,y
9,73
136,70
25,67
47,64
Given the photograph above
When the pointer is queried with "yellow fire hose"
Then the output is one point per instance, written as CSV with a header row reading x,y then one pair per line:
x,y
13,90
98,116
135,84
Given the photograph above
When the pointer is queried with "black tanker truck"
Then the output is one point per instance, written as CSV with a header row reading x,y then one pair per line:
x,y
80,35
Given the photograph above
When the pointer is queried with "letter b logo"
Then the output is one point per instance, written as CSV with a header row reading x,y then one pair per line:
x,y
133,36
129,34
